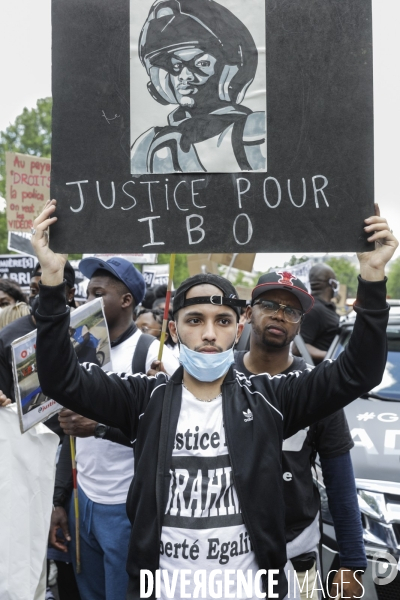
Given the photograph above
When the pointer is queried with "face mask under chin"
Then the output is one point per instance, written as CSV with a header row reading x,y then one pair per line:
x,y
205,367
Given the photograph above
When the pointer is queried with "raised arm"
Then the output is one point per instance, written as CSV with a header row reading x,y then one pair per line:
x,y
86,389
313,395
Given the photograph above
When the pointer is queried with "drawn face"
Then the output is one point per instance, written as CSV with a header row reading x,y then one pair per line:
x,y
190,72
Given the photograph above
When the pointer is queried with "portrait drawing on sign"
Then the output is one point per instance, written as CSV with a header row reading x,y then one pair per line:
x,y
201,60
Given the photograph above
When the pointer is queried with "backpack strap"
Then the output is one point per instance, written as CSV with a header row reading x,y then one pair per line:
x,y
140,355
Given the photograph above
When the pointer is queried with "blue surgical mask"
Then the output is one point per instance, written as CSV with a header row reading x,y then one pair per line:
x,y
205,367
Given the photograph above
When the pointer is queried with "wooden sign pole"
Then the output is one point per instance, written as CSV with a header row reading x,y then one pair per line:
x,y
167,304
76,506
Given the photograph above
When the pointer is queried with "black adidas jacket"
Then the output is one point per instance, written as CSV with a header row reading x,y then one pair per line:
x,y
147,410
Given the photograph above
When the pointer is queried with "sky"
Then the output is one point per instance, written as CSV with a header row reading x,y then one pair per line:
x,y
25,76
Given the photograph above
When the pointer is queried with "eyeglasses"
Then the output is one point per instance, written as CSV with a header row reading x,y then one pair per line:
x,y
270,308
145,329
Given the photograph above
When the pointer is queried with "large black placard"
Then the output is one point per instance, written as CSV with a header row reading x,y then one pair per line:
x,y
318,184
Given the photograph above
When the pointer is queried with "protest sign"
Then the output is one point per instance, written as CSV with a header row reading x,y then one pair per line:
x,y
244,262
155,275
301,271
89,336
27,189
17,268
81,282
21,243
140,259
201,263
212,126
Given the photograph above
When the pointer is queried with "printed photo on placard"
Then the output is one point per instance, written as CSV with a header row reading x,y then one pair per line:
x,y
198,86
33,406
89,334
90,339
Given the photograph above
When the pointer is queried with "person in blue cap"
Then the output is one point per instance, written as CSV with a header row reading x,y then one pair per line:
x,y
105,462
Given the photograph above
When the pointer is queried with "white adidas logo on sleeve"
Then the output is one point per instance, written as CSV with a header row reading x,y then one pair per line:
x,y
248,415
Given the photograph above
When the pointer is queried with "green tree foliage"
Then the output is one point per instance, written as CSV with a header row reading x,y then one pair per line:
x,y
3,233
346,273
393,284
239,278
181,269
30,134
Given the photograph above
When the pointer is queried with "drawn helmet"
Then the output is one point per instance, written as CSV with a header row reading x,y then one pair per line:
x,y
173,24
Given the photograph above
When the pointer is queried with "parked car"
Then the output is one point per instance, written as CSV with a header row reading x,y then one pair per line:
x,y
374,422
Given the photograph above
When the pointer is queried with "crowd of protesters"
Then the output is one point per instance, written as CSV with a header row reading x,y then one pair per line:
x,y
111,452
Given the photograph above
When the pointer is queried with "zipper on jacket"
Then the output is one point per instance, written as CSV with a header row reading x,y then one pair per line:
x,y
227,434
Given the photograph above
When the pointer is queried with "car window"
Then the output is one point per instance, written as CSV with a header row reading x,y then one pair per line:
x,y
390,385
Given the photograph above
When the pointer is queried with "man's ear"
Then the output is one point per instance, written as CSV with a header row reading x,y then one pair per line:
x,y
127,300
173,331
249,313
71,294
239,332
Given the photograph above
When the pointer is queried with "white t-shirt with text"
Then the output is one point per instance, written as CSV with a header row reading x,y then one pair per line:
x,y
203,527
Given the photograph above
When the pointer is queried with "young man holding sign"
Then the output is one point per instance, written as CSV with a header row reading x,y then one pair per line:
x,y
206,504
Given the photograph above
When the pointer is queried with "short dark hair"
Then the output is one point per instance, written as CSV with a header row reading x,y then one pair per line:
x,y
157,303
12,289
158,315
149,298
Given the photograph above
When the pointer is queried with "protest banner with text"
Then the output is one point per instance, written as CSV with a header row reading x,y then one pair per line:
x,y
212,126
17,268
27,189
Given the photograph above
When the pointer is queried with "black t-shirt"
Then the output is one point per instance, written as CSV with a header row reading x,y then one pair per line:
x,y
330,437
320,325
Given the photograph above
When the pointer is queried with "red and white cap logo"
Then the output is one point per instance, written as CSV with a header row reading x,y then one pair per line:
x,y
286,278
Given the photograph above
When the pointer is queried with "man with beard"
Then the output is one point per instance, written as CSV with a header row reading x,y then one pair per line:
x,y
278,305
201,57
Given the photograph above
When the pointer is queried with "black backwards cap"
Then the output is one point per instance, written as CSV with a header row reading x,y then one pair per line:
x,y
229,294
69,273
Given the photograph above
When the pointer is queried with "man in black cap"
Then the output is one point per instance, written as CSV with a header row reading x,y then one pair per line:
x,y
69,276
279,304
207,491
